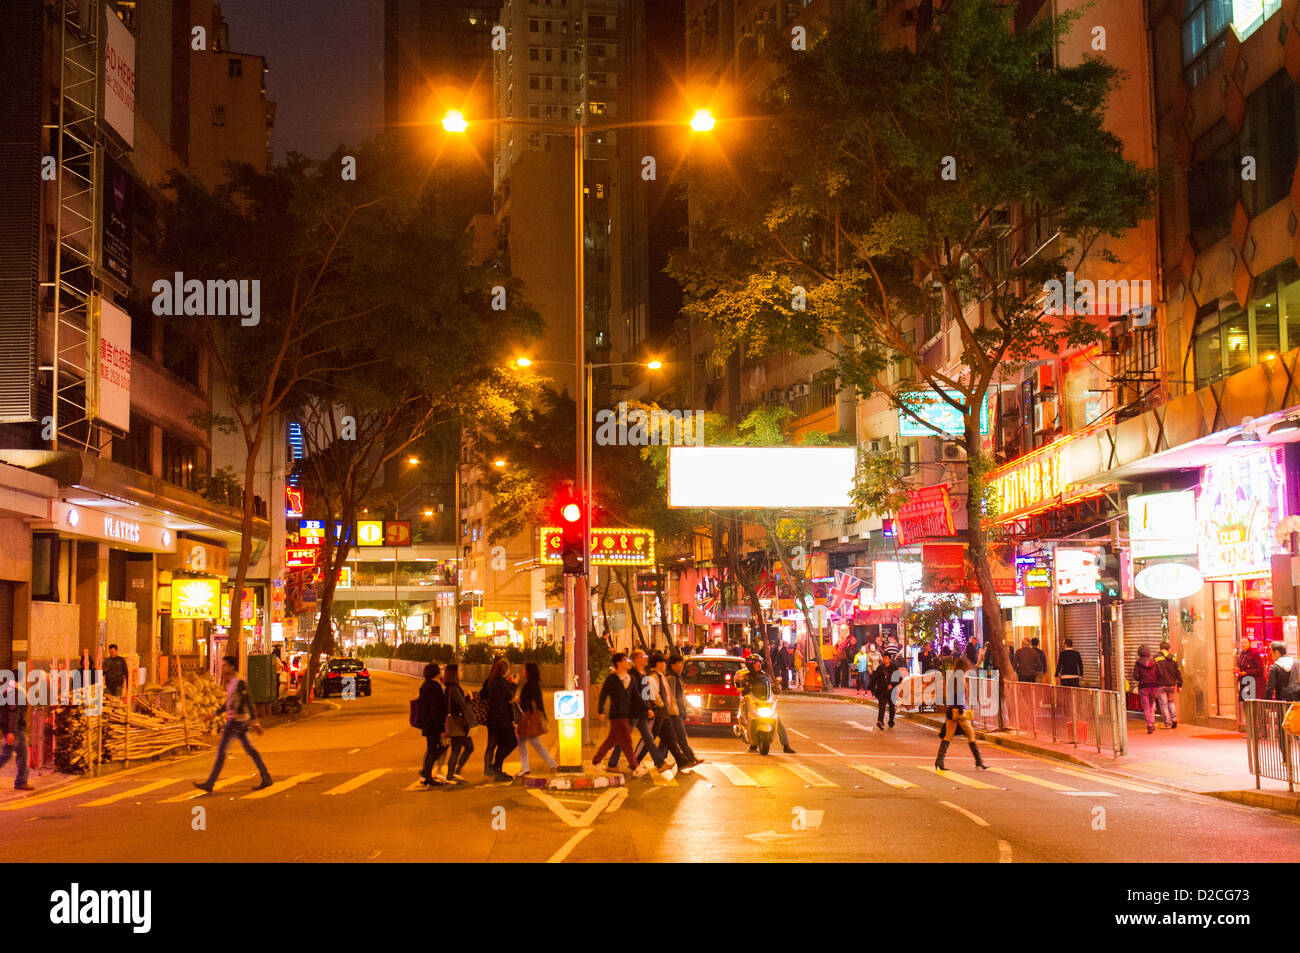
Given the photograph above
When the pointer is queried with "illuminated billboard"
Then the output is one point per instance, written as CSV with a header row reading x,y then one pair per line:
x,y
609,547
934,410
1162,524
760,477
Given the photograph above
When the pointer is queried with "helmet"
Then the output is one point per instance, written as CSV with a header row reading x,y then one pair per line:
x,y
754,660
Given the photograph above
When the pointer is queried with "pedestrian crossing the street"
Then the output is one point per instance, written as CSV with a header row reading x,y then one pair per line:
x,y
770,774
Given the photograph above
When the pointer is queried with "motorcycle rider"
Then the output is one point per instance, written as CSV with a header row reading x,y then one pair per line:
x,y
752,678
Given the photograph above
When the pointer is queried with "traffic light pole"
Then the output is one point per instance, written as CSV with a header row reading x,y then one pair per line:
x,y
580,614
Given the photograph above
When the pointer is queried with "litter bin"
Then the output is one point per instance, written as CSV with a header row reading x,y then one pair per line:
x,y
261,679
812,677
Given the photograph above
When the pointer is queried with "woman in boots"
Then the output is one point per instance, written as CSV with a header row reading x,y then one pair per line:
x,y
957,719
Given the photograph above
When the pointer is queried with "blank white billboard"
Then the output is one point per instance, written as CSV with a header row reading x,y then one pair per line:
x,y
760,477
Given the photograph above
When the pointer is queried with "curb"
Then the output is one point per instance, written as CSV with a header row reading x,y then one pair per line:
x,y
576,782
1269,800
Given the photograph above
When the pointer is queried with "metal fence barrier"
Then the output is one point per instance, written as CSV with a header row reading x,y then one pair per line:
x,y
1064,715
1271,751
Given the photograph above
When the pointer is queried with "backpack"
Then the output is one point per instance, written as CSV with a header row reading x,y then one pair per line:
x,y
478,702
415,713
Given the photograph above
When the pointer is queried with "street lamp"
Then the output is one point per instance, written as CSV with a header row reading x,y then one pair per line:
x,y
456,122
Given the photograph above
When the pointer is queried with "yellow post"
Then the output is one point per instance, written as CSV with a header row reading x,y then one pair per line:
x,y
569,708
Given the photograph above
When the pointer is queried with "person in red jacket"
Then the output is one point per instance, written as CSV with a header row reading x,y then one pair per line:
x,y
1146,679
1249,671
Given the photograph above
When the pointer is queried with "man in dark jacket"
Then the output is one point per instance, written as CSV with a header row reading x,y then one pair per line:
x,y
432,709
640,696
1283,676
1069,666
1249,672
615,691
114,671
678,692
13,732
1028,662
882,686
1171,680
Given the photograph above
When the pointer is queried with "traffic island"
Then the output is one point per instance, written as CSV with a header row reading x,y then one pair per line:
x,y
575,782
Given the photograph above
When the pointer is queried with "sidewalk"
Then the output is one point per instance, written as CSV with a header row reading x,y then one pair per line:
x,y
1188,758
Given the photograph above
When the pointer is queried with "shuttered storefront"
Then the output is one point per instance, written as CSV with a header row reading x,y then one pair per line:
x,y
1080,623
7,625
1143,625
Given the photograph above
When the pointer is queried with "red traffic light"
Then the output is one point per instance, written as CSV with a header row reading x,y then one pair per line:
x,y
571,512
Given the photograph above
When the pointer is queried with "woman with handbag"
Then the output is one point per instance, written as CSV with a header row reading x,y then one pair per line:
x,y
532,725
500,694
460,722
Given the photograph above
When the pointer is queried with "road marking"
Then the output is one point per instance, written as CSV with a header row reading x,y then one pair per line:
x,y
664,779
795,731
359,780
1004,852
961,810
833,751
1089,793
415,785
809,775
70,791
572,818
959,778
190,795
354,751
857,725
572,842
1125,785
884,776
1029,779
132,792
736,776
281,785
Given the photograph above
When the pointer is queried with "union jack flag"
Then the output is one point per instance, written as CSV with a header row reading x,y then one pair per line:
x,y
843,594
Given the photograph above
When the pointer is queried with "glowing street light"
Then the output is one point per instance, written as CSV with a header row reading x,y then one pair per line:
x,y
654,365
498,463
523,362
413,461
455,121
703,121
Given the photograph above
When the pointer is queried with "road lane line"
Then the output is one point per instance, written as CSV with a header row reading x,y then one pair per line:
x,y
1004,852
733,774
359,780
281,786
1125,785
833,751
190,795
1029,779
132,792
795,731
858,725
354,751
567,849
961,810
884,776
959,778
808,774
59,795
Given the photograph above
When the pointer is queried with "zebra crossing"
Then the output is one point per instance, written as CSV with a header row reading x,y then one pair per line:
x,y
772,774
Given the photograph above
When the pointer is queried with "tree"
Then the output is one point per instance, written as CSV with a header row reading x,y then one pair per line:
x,y
875,213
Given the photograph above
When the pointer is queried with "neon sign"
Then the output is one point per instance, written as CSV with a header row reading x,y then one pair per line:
x,y
1242,499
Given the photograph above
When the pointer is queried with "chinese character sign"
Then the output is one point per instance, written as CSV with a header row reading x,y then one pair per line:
x,y
1242,499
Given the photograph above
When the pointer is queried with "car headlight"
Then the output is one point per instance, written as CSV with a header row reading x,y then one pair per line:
x,y
765,711
694,701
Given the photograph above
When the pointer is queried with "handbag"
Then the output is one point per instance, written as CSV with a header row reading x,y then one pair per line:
x,y
479,703
415,713
1291,722
455,727
531,725
516,712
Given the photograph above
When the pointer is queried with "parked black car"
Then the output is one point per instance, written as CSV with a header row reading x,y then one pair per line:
x,y
333,678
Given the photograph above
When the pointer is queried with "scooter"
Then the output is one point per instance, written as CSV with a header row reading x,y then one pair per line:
x,y
756,725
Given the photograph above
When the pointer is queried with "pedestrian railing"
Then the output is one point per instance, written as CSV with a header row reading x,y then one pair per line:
x,y
1064,715
1271,750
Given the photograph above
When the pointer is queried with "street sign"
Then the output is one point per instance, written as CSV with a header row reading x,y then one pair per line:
x,y
568,705
649,583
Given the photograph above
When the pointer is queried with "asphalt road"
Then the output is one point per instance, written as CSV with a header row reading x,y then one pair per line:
x,y
346,791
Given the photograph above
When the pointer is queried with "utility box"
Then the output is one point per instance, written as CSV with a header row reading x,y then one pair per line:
x,y
261,678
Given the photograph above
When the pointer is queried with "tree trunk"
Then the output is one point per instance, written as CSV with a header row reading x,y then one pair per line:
x,y
245,546
662,572
994,631
604,605
323,640
631,614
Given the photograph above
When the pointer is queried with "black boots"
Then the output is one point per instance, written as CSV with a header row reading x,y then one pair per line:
x,y
979,762
938,759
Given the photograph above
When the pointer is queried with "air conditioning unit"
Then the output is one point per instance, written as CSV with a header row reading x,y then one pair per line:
x,y
1045,377
788,396
952,451
1045,416
802,390
875,446
1000,218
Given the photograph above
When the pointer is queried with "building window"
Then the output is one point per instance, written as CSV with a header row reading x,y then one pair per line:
x,y
1268,134
550,26
534,82
235,67
598,79
532,26
550,112
1205,26
533,112
179,459
564,112
564,84
597,109
550,82
534,53
597,50
1213,185
595,23
218,115
564,56
1228,338
577,57
549,51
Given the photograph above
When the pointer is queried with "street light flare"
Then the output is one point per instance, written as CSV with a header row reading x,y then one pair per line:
x,y
655,365
455,121
523,362
498,463
702,121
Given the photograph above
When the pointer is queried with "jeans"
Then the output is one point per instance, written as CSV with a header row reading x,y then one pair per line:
x,y
667,734
462,746
679,727
537,746
434,749
237,730
1150,698
19,750
883,701
502,741
619,737
1169,703
647,743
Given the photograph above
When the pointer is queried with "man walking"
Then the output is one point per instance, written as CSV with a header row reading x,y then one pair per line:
x,y
615,691
677,708
114,671
665,707
239,718
13,732
643,701
882,685
1028,662
1069,666
1171,680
